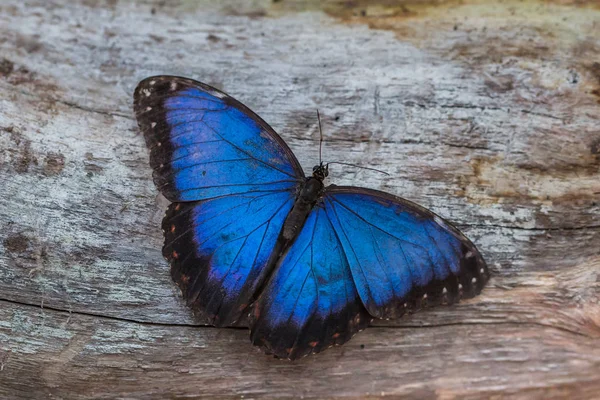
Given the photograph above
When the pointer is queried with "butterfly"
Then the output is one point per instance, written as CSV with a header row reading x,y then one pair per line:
x,y
247,233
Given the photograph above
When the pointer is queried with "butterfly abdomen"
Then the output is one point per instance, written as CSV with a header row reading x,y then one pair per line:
x,y
305,202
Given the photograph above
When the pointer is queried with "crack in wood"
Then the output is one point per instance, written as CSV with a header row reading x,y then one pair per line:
x,y
379,324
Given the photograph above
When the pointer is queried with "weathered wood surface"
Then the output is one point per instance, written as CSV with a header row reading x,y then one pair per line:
x,y
487,112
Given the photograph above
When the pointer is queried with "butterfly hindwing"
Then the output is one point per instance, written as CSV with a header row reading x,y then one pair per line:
x,y
401,255
205,144
219,249
310,303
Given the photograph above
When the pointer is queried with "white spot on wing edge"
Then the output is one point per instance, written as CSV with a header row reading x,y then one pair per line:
x,y
153,124
152,83
218,94
439,221
173,85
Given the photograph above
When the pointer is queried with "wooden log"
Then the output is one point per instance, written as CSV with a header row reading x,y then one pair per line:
x,y
486,112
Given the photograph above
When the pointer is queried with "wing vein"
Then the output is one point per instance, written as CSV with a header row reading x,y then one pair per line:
x,y
375,226
250,155
353,252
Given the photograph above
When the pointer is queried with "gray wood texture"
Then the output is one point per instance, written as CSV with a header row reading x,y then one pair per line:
x,y
486,112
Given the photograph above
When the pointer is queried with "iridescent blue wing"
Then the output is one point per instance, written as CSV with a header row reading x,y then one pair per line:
x,y
234,181
310,303
401,255
205,144
220,249
361,254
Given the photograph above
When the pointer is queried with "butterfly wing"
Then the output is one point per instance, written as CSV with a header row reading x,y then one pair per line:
x,y
220,249
234,181
310,302
361,254
401,255
205,144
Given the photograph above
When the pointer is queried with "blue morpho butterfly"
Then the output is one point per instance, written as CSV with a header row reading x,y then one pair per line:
x,y
248,232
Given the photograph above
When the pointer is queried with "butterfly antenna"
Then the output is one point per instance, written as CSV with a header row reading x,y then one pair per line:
x,y
358,166
320,138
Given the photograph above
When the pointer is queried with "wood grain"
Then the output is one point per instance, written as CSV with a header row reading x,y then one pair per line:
x,y
486,112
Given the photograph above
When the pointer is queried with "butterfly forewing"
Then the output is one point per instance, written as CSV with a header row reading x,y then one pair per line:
x,y
205,144
401,255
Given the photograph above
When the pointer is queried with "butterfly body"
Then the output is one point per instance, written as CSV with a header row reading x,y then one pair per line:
x,y
248,232
309,194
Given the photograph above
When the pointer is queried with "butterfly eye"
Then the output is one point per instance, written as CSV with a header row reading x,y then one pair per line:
x,y
315,168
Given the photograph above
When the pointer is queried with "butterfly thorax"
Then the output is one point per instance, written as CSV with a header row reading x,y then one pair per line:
x,y
305,202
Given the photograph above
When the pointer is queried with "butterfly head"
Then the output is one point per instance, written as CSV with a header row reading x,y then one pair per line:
x,y
321,171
